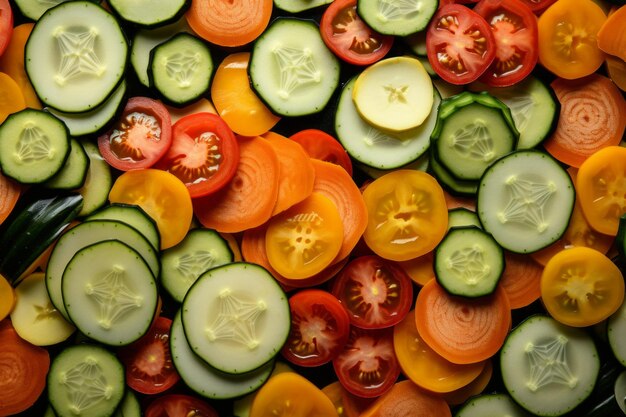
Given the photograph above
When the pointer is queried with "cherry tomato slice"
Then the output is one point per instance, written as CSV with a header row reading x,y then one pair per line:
x,y
148,361
204,154
459,44
140,137
319,328
320,145
376,293
6,24
349,37
179,405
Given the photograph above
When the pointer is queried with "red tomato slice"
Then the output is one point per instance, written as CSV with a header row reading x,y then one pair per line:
x,y
319,328
148,362
349,37
376,293
204,154
367,366
320,145
514,28
459,44
179,405
6,24
140,137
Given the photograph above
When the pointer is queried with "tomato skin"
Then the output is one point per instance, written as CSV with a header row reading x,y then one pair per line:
x,y
514,29
179,405
148,362
376,293
6,24
319,328
191,157
320,145
459,44
140,137
349,37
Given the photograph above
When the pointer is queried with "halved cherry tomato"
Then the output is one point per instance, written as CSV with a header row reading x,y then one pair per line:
x,y
514,29
148,361
581,287
320,145
6,24
204,154
367,366
140,137
349,37
375,292
459,44
179,405
319,328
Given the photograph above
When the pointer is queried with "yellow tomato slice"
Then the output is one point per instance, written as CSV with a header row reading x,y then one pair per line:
x,y
304,239
162,196
291,395
568,32
424,366
7,298
581,287
601,185
11,97
407,215
419,269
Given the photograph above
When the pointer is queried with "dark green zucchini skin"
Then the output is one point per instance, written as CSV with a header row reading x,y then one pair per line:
x,y
36,221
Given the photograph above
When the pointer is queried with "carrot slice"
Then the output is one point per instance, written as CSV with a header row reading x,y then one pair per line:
x,y
236,102
462,330
475,387
419,269
407,399
9,194
335,183
346,403
233,244
228,22
23,371
12,63
592,117
7,298
616,68
249,199
521,280
297,174
612,35
11,97
320,145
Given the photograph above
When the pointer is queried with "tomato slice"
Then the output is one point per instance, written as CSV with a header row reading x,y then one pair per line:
x,y
538,6
514,28
367,366
204,154
6,24
319,328
349,37
459,44
148,361
320,145
376,293
140,137
179,405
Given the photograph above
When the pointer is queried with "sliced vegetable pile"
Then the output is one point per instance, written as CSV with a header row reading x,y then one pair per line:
x,y
310,208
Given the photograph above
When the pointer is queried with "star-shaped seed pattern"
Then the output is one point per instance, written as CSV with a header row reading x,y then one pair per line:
x,y
86,385
527,201
296,69
78,54
548,364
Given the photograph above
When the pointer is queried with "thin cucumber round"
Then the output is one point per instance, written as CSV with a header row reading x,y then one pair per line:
x,y
129,407
491,405
616,329
34,9
460,216
74,172
395,17
99,180
236,317
149,13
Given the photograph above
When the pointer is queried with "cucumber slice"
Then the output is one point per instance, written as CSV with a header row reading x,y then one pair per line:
x,y
200,250
297,6
206,380
34,317
394,94
109,293
616,329
74,172
236,317
129,407
395,17
460,216
374,147
420,164
549,368
85,380
74,48
491,405
34,9
525,200
98,183
448,181
620,391
34,146
291,69
149,13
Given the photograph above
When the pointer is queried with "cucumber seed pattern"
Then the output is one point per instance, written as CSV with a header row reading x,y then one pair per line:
x,y
521,108
86,385
469,264
296,69
375,137
474,141
527,203
33,145
398,9
191,265
236,320
113,297
78,54
548,364
181,67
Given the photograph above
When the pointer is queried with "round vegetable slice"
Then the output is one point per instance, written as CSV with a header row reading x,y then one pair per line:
x,y
180,405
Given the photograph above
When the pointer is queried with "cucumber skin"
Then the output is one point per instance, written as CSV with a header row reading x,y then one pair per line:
x,y
38,219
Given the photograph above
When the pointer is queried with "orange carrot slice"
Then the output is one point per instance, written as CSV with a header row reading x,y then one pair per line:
x,y
521,280
11,97
7,298
335,183
249,199
616,69
475,387
12,63
9,194
228,22
407,399
612,35
592,117
462,330
23,371
297,174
